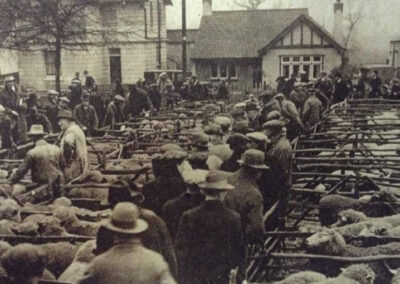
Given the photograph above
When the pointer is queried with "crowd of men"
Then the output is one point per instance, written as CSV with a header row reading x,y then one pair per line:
x,y
207,207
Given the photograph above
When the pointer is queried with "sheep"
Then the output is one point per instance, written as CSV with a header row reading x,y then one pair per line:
x,y
351,216
303,277
330,242
354,274
81,262
47,225
380,229
73,225
59,255
6,227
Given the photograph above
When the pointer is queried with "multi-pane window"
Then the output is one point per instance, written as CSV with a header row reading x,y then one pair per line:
x,y
223,71
49,59
312,65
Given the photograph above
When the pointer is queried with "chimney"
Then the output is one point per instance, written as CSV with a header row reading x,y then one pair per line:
x,y
207,7
338,21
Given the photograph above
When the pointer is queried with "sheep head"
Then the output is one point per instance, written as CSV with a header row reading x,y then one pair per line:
x,y
326,241
361,273
65,214
349,216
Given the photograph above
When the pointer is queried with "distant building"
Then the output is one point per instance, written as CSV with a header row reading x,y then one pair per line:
x,y
126,58
251,48
174,48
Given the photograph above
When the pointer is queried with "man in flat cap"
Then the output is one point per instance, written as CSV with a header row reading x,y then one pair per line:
x,y
73,147
312,111
200,143
75,95
324,84
86,115
246,198
209,241
257,140
115,112
289,111
269,104
275,183
51,107
238,144
131,261
11,100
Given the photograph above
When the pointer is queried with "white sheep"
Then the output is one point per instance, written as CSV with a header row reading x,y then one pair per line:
x,y
354,274
303,277
73,225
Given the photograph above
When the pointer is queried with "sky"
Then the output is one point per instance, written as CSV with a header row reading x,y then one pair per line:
x,y
371,36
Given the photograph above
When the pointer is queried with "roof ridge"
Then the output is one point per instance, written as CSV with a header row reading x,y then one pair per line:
x,y
258,10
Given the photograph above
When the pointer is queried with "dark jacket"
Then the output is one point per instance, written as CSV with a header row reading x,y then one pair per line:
x,y
325,86
128,263
90,84
162,189
375,87
157,238
137,101
86,117
231,165
174,208
209,243
51,108
33,117
246,200
341,91
289,85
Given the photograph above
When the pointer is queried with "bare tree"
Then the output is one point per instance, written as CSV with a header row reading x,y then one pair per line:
x,y
55,25
249,4
353,17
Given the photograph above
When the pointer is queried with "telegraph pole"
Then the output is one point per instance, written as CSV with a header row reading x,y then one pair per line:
x,y
184,38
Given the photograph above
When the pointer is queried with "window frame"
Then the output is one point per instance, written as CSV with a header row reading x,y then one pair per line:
x,y
49,62
311,62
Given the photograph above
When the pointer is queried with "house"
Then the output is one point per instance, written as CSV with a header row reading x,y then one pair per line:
x,y
174,48
251,48
124,58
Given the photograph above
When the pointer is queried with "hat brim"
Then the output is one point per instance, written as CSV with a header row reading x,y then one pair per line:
x,y
141,226
259,167
223,186
36,134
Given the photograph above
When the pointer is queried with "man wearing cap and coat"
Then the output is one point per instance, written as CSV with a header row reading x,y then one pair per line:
x,y
246,198
73,147
86,115
276,182
128,261
209,241
44,160
115,112
14,119
237,142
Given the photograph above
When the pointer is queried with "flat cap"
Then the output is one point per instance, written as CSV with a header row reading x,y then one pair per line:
x,y
258,136
237,139
200,139
237,111
170,147
213,129
241,126
278,124
119,98
174,155
53,92
273,115
279,96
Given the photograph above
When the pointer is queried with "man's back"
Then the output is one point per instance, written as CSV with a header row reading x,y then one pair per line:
x,y
129,263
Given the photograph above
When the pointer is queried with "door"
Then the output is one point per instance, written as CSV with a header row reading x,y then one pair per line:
x,y
115,65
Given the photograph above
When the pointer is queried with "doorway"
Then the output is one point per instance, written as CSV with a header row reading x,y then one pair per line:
x,y
115,65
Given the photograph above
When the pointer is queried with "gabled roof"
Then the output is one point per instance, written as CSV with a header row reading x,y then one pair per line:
x,y
241,34
310,21
175,36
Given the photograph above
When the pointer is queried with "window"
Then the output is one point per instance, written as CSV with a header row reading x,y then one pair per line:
x,y
312,65
49,59
223,71
109,15
232,71
214,70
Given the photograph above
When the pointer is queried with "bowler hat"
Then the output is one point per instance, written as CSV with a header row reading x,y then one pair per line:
x,y
253,159
215,180
276,124
36,129
200,140
125,219
66,114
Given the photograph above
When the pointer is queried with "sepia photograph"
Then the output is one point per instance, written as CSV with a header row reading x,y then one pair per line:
x,y
199,141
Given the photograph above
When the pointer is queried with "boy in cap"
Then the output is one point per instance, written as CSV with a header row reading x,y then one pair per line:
x,y
131,262
209,241
44,160
86,115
